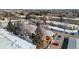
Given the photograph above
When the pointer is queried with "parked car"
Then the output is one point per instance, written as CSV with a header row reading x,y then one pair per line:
x,y
55,41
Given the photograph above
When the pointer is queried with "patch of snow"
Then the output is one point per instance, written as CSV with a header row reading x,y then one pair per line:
x,y
60,29
11,41
48,33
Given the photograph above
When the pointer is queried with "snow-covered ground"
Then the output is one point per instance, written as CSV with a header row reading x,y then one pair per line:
x,y
4,23
61,23
8,40
77,18
67,18
62,30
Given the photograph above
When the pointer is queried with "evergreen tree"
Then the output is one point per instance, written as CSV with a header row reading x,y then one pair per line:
x,y
10,26
17,29
14,30
37,38
32,35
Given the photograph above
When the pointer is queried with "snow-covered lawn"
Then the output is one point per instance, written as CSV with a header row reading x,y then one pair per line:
x,y
8,40
60,29
61,23
67,18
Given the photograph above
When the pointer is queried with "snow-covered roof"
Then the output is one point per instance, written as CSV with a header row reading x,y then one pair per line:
x,y
48,33
8,40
